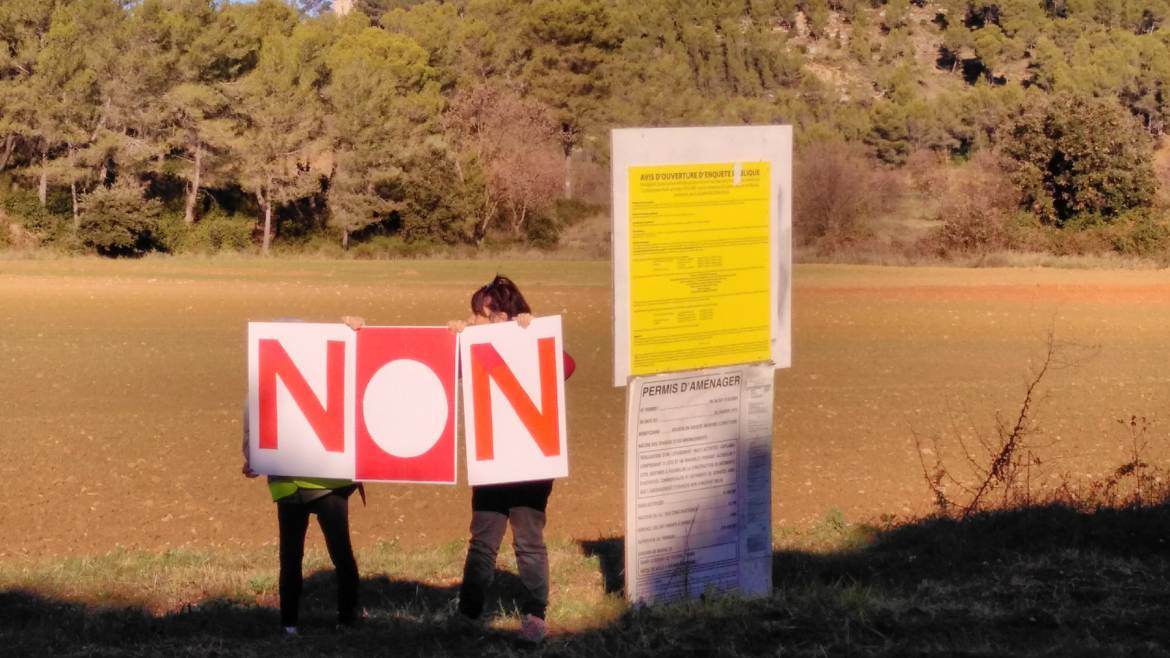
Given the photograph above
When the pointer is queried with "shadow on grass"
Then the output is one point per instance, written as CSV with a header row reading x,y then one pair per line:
x,y
1047,581
405,617
611,555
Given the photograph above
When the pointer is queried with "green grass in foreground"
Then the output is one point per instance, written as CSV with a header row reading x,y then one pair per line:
x,y
1041,581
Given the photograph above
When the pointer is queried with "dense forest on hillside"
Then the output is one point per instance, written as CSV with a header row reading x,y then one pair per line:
x,y
198,125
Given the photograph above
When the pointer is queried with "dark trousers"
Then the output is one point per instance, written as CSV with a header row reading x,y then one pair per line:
x,y
493,509
332,512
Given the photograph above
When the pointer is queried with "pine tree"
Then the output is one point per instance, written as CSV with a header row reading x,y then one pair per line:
x,y
383,99
278,124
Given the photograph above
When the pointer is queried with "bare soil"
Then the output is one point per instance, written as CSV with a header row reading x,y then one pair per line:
x,y
121,387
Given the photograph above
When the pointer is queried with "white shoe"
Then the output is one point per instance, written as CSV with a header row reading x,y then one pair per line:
x,y
533,629
290,630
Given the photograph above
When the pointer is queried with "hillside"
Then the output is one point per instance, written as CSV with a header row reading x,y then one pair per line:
x,y
403,127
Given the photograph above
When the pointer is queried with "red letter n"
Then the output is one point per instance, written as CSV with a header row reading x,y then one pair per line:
x,y
543,424
327,421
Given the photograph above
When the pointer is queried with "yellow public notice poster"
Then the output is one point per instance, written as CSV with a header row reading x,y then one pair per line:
x,y
700,266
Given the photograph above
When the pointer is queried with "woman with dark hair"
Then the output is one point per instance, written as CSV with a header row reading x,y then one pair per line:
x,y
496,506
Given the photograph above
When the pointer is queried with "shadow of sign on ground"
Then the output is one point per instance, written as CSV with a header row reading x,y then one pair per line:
x,y
1034,581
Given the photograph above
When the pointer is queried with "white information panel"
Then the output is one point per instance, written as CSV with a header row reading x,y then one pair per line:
x,y
699,483
702,248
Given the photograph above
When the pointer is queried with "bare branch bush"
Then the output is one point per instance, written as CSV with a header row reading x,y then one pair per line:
x,y
512,143
1136,482
838,193
976,212
1005,463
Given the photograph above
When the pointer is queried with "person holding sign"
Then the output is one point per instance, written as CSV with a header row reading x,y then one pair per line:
x,y
521,504
296,499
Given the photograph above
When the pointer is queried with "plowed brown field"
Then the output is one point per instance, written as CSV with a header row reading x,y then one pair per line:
x,y
121,385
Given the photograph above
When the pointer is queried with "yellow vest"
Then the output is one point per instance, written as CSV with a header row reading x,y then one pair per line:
x,y
283,487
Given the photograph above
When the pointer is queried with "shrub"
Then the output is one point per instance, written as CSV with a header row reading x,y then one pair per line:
x,y
381,247
977,210
436,206
1139,233
927,171
215,232
590,238
573,211
226,232
171,233
1075,155
46,223
889,134
325,244
1078,242
542,231
836,194
117,220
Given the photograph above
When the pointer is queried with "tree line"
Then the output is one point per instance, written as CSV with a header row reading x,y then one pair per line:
x,y
134,125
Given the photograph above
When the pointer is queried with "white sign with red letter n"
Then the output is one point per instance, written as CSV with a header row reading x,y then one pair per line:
x,y
300,401
514,401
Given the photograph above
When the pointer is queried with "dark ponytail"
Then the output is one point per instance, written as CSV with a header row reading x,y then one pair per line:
x,y
505,298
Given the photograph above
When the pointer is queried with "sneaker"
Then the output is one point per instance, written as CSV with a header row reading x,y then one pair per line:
x,y
290,631
533,629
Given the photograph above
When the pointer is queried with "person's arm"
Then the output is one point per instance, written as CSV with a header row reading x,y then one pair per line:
x,y
247,468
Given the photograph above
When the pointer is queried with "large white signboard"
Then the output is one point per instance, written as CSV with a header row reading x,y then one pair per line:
x,y
702,225
514,401
699,483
